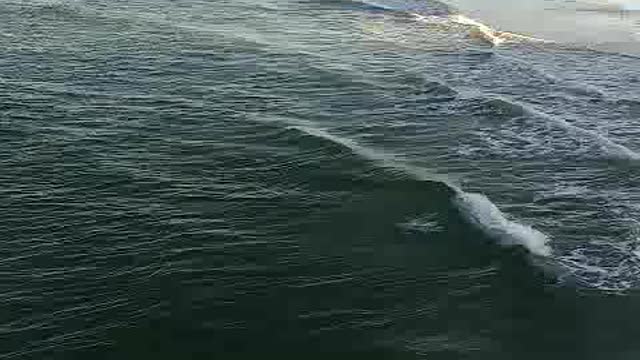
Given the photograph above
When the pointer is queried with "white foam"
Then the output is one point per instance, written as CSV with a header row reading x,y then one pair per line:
x,y
485,215
478,209
495,37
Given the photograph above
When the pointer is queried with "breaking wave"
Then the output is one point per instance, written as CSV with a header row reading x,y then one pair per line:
x,y
476,208
445,16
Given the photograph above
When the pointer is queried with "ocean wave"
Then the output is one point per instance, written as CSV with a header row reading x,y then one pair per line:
x,y
575,87
444,15
491,35
609,147
409,6
476,208
485,215
596,265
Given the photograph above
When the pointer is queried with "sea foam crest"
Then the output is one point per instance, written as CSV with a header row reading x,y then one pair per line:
x,y
486,216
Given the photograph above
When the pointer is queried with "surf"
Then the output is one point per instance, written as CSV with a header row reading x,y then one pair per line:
x,y
561,24
476,208
444,15
585,265
489,34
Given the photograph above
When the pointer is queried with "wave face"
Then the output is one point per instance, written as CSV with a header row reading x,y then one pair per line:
x,y
396,180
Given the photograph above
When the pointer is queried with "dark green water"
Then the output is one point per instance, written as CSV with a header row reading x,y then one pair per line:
x,y
302,179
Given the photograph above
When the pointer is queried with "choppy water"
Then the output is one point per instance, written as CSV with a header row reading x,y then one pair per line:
x,y
246,178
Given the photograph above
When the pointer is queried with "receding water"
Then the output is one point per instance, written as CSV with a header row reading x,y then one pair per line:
x,y
308,179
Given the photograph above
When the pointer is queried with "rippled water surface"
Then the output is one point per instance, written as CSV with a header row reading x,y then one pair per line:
x,y
250,178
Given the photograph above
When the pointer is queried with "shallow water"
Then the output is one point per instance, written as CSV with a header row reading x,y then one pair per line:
x,y
398,179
